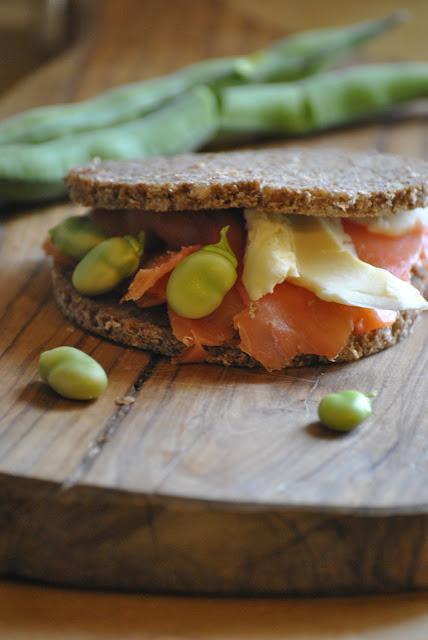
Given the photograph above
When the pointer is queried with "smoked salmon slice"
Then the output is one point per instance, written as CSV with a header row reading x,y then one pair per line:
x,y
213,330
148,288
396,254
60,258
424,257
292,321
366,320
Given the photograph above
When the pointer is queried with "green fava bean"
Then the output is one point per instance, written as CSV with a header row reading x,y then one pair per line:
x,y
199,283
76,236
107,264
345,410
72,373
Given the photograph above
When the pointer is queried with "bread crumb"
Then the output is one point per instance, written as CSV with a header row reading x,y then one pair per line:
x,y
125,400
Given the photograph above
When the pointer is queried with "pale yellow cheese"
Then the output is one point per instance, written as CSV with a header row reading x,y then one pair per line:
x,y
333,273
269,256
397,224
315,253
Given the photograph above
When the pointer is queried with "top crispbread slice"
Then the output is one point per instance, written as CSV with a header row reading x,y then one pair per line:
x,y
322,182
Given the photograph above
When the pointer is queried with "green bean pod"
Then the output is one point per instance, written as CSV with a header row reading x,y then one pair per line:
x,y
107,264
184,125
76,236
72,373
119,105
290,58
199,283
327,100
316,49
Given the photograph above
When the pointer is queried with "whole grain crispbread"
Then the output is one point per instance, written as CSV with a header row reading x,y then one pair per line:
x,y
313,182
149,329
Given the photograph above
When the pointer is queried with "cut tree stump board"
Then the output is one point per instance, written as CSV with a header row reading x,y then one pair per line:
x,y
212,479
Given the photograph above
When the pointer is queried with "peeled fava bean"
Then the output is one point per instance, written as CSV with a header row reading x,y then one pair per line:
x,y
199,283
76,236
345,410
72,373
107,264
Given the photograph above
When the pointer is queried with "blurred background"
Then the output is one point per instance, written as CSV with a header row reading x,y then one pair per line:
x,y
31,31
35,31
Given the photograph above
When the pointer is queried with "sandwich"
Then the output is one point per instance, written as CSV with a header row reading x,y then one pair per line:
x,y
274,258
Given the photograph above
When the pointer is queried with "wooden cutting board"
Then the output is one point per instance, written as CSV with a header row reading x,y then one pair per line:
x,y
208,479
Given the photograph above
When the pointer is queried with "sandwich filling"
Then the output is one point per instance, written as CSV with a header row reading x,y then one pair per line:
x,y
304,284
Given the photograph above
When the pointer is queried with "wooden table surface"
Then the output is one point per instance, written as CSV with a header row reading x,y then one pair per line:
x,y
39,612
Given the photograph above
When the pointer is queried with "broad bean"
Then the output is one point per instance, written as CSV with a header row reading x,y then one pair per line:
x,y
107,264
345,410
199,283
72,373
76,235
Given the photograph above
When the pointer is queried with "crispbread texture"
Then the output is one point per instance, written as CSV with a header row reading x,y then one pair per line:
x,y
315,182
149,329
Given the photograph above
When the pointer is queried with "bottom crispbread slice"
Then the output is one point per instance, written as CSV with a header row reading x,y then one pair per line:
x,y
149,329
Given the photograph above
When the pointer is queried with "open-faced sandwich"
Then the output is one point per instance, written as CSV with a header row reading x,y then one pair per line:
x,y
271,257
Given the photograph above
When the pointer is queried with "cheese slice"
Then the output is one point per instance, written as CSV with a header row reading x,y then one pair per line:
x,y
397,224
269,257
314,253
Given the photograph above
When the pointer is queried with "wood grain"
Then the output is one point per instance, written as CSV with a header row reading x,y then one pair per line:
x,y
212,480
